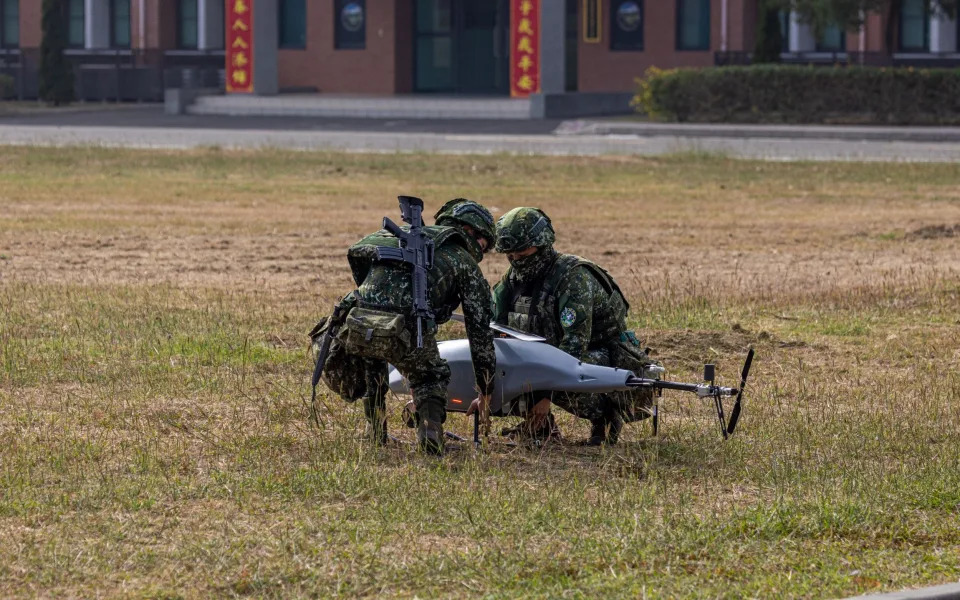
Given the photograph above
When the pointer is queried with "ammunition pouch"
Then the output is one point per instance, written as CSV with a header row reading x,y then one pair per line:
x,y
373,333
524,316
342,372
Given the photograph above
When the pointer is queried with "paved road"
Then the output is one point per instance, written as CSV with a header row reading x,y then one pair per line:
x,y
148,128
148,115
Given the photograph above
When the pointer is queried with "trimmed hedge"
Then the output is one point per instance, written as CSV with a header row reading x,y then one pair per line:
x,y
802,94
6,87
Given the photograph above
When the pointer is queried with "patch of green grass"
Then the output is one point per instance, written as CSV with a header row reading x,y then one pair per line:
x,y
156,440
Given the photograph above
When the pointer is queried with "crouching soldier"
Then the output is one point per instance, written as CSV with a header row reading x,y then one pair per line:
x,y
578,308
380,325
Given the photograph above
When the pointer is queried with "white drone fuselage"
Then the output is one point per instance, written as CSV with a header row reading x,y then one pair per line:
x,y
524,369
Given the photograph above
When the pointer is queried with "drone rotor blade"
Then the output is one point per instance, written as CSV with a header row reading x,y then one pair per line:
x,y
735,414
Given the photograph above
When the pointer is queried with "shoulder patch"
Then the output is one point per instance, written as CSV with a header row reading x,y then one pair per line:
x,y
568,317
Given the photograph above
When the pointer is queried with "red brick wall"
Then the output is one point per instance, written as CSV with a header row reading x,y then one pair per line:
x,y
743,25
160,26
603,70
403,58
876,32
30,30
369,71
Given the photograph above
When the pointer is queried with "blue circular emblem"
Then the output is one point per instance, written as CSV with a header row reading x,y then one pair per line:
x,y
351,17
628,16
568,317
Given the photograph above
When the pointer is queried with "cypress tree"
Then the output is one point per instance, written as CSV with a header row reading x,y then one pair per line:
x,y
56,74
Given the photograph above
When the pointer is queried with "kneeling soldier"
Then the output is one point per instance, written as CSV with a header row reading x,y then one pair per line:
x,y
382,325
579,308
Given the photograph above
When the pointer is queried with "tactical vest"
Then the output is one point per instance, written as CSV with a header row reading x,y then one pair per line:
x,y
363,255
534,307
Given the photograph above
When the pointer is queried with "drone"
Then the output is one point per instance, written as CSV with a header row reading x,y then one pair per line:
x,y
529,367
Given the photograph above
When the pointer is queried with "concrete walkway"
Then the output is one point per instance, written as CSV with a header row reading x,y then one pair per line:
x,y
378,107
748,131
564,145
950,591
146,126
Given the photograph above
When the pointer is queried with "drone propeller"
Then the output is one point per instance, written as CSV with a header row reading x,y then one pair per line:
x,y
735,414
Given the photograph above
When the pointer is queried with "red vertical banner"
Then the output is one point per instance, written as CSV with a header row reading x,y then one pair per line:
x,y
239,41
524,47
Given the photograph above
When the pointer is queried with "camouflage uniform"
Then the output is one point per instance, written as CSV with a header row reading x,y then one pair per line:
x,y
385,298
578,307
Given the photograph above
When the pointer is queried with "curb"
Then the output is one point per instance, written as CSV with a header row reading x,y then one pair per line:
x,y
950,591
825,132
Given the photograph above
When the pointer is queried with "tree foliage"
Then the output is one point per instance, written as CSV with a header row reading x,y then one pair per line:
x,y
56,74
850,13
769,37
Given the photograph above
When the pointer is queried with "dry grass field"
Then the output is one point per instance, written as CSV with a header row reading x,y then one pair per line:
x,y
154,440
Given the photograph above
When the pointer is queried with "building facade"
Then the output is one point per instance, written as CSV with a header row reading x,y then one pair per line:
x,y
439,46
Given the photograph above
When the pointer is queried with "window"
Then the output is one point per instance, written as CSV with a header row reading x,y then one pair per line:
x,y
914,26
784,17
187,24
351,25
293,23
75,28
626,25
832,39
119,23
9,23
693,24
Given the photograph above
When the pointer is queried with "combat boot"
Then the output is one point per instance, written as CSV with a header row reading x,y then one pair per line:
x,y
430,437
376,432
598,433
613,434
525,431
375,409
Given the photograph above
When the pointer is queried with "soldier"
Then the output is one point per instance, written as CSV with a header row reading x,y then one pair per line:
x,y
579,308
380,328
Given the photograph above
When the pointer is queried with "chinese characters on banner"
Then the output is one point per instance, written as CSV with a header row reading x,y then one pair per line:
x,y
524,47
239,45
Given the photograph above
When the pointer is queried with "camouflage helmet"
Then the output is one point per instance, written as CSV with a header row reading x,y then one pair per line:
x,y
461,211
523,227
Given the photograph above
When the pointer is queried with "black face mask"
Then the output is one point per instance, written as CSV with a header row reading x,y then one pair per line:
x,y
528,268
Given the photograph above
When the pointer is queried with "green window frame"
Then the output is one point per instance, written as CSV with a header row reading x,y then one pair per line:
x,y
119,23
76,24
188,24
783,17
9,23
693,24
913,27
292,23
832,39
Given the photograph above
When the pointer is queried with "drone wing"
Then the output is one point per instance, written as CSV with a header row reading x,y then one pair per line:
x,y
517,334
514,333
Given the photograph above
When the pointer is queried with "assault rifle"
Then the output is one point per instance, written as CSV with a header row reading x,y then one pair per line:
x,y
333,327
416,249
